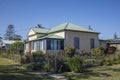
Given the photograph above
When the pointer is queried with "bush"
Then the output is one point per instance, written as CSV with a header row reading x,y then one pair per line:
x,y
116,59
69,51
38,56
32,66
98,51
111,50
28,66
89,63
107,62
48,67
25,59
75,64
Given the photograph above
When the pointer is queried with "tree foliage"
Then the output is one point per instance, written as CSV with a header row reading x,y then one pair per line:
x,y
0,40
17,46
10,33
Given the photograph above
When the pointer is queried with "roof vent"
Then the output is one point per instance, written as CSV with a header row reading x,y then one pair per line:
x,y
39,26
89,27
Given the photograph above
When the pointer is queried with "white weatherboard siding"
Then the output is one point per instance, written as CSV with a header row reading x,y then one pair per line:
x,y
31,32
62,34
32,37
84,39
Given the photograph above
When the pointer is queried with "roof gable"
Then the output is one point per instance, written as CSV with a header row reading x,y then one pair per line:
x,y
38,30
31,32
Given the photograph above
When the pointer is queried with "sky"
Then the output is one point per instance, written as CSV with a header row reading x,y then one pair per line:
x,y
102,15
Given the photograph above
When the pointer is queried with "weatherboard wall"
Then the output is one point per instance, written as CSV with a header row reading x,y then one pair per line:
x,y
84,39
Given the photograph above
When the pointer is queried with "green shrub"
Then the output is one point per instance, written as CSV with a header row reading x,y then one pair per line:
x,y
98,51
107,62
37,56
89,63
75,64
28,66
116,59
25,59
48,67
69,51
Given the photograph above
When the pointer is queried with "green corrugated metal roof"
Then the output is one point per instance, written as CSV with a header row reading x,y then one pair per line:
x,y
65,26
40,30
52,36
70,26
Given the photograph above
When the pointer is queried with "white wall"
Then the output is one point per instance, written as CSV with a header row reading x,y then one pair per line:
x,y
31,32
84,39
62,34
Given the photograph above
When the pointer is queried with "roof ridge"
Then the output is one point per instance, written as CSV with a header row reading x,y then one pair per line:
x,y
66,25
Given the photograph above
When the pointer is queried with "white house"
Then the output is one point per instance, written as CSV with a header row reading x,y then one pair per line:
x,y
55,39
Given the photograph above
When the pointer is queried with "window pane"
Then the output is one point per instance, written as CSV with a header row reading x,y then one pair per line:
x,y
61,44
92,43
76,42
52,44
48,44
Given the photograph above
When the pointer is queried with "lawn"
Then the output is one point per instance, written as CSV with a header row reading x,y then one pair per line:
x,y
94,73
10,70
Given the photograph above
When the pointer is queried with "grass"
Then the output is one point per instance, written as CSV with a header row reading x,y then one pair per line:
x,y
112,72
10,70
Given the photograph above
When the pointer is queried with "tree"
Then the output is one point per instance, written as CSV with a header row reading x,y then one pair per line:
x,y
17,46
0,40
17,37
10,33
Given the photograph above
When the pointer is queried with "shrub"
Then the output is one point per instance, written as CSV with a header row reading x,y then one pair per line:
x,y
37,56
116,59
75,64
98,51
111,50
28,66
32,66
107,62
89,63
48,67
69,51
37,66
25,59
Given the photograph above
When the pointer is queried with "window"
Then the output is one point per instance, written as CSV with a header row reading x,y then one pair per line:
x,y
76,42
60,44
40,45
35,45
55,44
92,43
48,44
52,44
